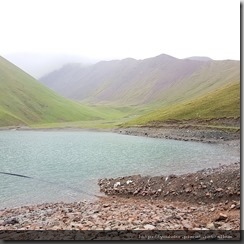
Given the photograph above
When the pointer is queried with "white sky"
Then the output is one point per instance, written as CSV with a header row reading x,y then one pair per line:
x,y
116,29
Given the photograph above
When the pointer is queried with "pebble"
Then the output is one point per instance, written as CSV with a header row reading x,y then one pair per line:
x,y
232,206
211,226
186,225
221,217
149,227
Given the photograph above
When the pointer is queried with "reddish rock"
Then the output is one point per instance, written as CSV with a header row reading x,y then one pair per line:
x,y
186,225
221,217
149,227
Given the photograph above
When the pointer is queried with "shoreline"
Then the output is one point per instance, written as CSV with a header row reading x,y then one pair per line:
x,y
54,129
206,186
168,133
207,200
147,212
171,133
183,134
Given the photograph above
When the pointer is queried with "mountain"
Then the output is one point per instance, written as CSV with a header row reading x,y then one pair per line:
x,y
163,79
24,101
221,106
128,91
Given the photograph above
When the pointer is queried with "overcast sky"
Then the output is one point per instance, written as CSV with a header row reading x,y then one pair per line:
x,y
91,30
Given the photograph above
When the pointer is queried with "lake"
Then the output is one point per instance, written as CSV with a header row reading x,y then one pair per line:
x,y
65,165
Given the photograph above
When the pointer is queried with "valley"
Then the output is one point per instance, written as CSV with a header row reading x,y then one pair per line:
x,y
170,118
124,93
120,120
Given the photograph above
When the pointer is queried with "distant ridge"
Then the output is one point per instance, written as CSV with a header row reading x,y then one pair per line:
x,y
140,82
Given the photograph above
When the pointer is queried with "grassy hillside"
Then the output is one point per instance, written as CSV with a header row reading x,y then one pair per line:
x,y
211,77
221,103
159,81
23,101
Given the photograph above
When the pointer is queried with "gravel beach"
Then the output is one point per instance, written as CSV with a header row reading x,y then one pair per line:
x,y
203,201
150,212
184,133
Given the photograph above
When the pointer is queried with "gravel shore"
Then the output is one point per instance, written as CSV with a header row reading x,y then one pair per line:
x,y
212,185
203,202
114,213
184,133
143,213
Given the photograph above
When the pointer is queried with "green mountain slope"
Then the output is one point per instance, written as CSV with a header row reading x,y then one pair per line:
x,y
142,92
224,102
24,101
162,79
212,76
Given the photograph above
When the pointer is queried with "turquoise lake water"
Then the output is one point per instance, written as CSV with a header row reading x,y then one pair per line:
x,y
66,165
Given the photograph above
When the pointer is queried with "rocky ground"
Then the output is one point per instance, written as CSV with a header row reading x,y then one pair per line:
x,y
212,185
184,133
115,213
207,200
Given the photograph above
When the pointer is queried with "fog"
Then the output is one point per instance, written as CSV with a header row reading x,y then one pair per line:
x,y
42,35
40,64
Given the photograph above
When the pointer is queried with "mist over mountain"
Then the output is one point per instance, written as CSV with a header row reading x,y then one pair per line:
x,y
39,64
136,82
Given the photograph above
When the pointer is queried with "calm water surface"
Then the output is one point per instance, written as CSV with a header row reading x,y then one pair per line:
x,y
65,166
